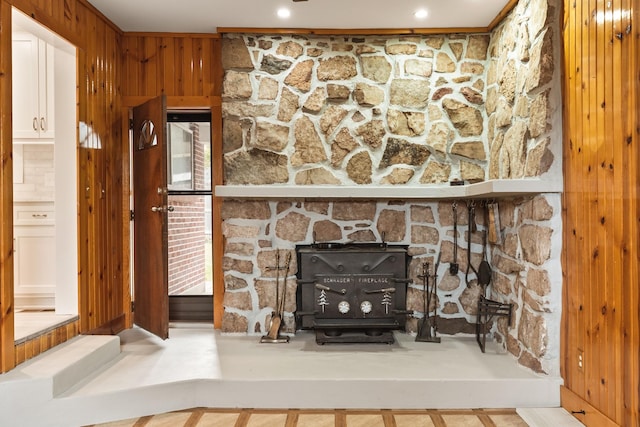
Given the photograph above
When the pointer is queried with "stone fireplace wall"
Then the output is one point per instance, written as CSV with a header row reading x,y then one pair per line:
x,y
404,111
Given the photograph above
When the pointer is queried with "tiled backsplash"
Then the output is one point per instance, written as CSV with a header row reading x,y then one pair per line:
x,y
34,174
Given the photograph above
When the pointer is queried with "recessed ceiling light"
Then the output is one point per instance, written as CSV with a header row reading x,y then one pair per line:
x,y
421,13
284,13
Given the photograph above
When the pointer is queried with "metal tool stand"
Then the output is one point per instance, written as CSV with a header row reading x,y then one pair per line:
x,y
280,296
425,333
487,310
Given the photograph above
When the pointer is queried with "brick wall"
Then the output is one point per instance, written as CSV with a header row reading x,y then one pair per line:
x,y
187,235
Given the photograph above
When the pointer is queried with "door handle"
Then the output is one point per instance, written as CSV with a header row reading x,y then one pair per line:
x,y
162,208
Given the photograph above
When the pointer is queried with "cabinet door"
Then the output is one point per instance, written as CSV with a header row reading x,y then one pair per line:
x,y
35,267
46,108
25,87
33,88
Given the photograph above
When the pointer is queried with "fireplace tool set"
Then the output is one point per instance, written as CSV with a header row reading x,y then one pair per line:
x,y
428,327
273,334
487,308
356,292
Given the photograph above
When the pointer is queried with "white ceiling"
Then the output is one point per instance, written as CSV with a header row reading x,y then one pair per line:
x,y
205,16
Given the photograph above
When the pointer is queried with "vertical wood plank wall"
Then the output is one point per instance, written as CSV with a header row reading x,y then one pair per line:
x,y
102,277
7,353
600,347
186,68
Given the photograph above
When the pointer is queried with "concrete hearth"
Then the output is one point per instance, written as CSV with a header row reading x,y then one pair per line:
x,y
200,367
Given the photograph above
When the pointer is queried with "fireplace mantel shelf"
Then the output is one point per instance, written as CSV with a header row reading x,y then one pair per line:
x,y
486,189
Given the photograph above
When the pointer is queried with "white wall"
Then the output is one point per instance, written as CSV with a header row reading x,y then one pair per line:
x,y
66,188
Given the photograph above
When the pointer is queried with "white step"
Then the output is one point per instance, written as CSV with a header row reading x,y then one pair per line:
x,y
71,362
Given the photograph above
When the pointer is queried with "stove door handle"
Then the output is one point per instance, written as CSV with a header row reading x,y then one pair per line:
x,y
379,291
328,289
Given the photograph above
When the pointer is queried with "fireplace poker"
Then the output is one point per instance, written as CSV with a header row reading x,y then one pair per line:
x,y
284,287
454,266
435,296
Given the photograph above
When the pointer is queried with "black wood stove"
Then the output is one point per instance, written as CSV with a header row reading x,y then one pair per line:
x,y
352,292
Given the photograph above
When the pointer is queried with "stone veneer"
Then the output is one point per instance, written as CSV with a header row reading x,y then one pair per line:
x,y
409,111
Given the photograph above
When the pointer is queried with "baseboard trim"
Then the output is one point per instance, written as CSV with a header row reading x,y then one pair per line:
x,y
584,411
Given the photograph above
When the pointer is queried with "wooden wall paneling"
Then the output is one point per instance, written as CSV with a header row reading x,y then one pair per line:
x,y
103,173
197,82
168,64
83,194
150,66
100,269
208,76
178,76
118,208
600,246
601,211
582,187
102,308
126,220
576,260
581,278
39,344
573,234
59,16
592,417
93,249
612,312
631,324
7,353
589,197
130,67
217,179
186,49
611,280
569,316
597,249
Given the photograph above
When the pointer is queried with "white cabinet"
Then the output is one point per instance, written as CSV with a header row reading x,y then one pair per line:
x,y
33,89
34,255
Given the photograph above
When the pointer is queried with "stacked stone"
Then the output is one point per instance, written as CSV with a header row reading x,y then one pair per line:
x,y
415,110
521,264
521,95
368,110
254,229
527,274
522,103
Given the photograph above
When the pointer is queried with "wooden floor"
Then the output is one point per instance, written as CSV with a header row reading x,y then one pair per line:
x,y
202,417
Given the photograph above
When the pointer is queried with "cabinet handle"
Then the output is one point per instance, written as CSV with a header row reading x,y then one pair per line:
x,y
43,124
35,124
39,215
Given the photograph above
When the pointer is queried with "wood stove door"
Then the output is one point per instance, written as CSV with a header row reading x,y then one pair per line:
x,y
333,296
354,296
376,295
